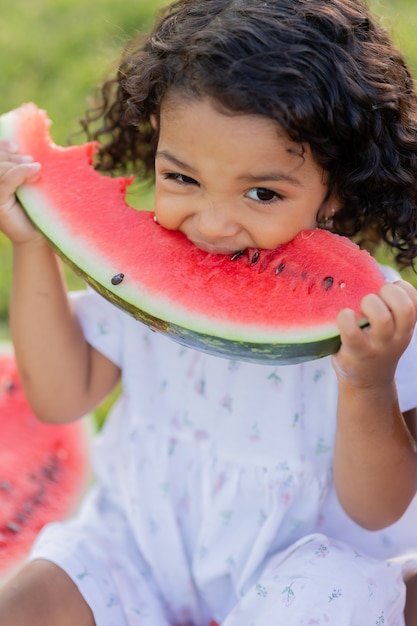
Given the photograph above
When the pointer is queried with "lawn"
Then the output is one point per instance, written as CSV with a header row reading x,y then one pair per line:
x,y
54,52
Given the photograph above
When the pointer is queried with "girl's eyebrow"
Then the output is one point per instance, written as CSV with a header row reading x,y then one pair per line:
x,y
274,176
170,157
251,178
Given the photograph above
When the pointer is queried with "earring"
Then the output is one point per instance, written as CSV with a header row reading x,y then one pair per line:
x,y
326,221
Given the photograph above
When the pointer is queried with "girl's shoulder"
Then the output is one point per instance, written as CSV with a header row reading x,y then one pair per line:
x,y
390,273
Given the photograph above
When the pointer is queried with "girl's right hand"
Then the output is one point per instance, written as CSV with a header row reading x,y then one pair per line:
x,y
15,169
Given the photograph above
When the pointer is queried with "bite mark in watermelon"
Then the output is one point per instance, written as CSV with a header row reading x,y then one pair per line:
x,y
266,306
44,468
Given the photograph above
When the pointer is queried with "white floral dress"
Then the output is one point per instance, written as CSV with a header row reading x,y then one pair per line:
x,y
214,496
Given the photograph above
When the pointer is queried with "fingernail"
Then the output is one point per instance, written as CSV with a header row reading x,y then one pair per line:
x,y
25,158
34,167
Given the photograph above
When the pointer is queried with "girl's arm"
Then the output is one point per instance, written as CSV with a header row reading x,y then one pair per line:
x,y
375,462
62,375
411,421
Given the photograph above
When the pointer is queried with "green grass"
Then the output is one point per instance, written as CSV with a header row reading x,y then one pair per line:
x,y
55,52
400,19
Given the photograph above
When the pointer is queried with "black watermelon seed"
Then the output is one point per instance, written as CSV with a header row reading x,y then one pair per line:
x,y
328,282
10,386
280,268
50,472
117,279
13,527
38,497
237,255
255,258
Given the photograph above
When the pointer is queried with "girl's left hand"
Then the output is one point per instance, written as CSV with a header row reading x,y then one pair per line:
x,y
368,356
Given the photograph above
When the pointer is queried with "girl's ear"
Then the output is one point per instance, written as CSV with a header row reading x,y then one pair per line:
x,y
331,206
154,122
327,212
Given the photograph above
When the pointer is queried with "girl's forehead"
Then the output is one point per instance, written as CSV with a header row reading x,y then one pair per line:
x,y
204,110
199,108
199,126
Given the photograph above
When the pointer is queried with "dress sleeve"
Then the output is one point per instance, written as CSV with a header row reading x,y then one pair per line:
x,y
101,322
406,375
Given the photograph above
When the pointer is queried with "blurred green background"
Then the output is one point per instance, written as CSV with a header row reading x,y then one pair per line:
x,y
55,52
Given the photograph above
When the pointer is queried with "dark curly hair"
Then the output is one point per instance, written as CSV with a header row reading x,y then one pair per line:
x,y
324,70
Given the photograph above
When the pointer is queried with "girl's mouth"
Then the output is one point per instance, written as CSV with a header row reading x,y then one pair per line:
x,y
213,248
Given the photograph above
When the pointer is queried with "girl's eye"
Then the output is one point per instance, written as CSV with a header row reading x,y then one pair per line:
x,y
262,195
182,178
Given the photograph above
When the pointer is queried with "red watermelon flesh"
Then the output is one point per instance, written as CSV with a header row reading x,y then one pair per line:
x,y
275,306
44,469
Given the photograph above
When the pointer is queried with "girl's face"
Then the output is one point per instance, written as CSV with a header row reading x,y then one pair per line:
x,y
230,182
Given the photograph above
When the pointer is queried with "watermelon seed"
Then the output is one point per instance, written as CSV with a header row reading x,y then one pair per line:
x,y
5,485
328,282
10,387
117,279
280,268
255,258
50,471
39,497
237,255
13,527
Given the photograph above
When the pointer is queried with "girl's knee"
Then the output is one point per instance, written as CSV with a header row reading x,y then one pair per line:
x,y
410,612
42,594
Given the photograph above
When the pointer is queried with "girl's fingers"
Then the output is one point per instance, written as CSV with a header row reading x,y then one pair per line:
x,y
11,157
33,171
379,314
13,221
349,328
8,146
9,152
409,289
401,300
392,316
13,174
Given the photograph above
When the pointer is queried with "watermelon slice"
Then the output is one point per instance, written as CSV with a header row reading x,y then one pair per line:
x,y
44,468
266,306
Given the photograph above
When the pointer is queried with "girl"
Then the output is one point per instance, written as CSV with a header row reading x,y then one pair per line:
x,y
247,494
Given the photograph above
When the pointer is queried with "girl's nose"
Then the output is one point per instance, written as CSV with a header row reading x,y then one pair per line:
x,y
216,221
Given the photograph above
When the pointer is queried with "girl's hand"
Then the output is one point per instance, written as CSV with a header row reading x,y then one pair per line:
x,y
15,169
368,356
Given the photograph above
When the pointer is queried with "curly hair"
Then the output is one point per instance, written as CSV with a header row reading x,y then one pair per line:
x,y
325,70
